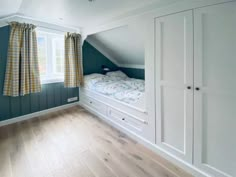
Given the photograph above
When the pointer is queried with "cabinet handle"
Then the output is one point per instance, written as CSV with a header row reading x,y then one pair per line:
x,y
90,102
189,87
123,118
197,88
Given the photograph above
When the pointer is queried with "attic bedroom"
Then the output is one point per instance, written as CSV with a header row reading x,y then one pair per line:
x,y
107,88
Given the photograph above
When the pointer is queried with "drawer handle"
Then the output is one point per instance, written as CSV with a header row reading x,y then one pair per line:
x,y
123,118
90,102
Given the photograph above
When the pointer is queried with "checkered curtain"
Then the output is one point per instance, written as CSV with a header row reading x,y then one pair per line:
x,y
73,61
22,72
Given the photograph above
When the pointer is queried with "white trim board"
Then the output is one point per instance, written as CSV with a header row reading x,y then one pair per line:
x,y
166,155
36,114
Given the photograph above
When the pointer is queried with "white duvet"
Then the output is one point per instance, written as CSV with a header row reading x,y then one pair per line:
x,y
124,89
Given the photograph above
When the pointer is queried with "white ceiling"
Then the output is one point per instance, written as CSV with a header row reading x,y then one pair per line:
x,y
124,45
78,13
8,7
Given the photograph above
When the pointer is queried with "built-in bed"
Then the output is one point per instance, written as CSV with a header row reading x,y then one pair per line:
x,y
116,97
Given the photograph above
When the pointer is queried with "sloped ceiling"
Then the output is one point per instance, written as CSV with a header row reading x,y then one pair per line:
x,y
124,45
78,13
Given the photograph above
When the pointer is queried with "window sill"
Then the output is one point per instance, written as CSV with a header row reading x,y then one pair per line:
x,y
50,81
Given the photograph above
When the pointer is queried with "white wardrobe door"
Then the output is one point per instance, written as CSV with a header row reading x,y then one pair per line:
x,y
215,102
174,84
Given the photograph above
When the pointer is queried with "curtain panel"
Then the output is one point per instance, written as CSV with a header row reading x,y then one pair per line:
x,y
22,72
73,61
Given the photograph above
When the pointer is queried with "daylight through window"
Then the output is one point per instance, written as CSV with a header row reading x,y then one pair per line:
x,y
51,57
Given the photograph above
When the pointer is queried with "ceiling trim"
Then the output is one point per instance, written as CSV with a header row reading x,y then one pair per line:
x,y
40,23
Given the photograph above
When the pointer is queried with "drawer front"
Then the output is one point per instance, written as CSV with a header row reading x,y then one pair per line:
x,y
94,104
126,120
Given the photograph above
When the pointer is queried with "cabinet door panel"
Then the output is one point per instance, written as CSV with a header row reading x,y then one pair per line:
x,y
174,73
215,103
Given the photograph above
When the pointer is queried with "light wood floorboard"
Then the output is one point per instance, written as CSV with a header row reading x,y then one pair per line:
x,y
75,143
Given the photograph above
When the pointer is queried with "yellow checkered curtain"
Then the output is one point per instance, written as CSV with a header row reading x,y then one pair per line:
x,y
22,72
73,61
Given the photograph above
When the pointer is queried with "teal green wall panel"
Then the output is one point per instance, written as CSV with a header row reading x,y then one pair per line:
x,y
25,102
64,95
5,105
34,102
93,61
57,94
52,95
134,73
15,106
74,92
43,98
70,92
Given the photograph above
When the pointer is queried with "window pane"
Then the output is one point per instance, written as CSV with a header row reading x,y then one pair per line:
x,y
42,54
51,56
58,48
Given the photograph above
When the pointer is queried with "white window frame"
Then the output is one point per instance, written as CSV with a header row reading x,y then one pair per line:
x,y
51,76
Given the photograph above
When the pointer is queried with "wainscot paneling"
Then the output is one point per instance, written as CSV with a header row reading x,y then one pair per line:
x,y
52,95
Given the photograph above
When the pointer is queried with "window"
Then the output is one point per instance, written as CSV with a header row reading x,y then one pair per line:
x,y
51,57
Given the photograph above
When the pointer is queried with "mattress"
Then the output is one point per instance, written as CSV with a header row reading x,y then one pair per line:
x,y
124,89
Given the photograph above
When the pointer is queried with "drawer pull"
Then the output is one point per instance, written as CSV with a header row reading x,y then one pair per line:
x,y
123,118
90,102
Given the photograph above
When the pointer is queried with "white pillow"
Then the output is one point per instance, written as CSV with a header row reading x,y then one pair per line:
x,y
93,76
117,74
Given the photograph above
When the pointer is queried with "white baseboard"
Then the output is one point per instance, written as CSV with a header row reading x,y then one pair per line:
x,y
166,155
36,114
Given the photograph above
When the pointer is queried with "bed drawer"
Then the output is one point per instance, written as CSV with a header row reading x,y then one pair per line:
x,y
126,120
94,104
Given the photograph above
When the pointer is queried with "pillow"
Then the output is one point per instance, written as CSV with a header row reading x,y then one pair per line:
x,y
117,74
93,76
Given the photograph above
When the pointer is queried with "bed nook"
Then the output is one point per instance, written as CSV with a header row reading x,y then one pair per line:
x,y
114,87
118,86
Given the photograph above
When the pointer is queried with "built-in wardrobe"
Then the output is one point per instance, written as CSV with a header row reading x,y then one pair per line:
x,y
195,59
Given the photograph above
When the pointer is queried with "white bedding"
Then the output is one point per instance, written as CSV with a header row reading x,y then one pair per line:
x,y
124,89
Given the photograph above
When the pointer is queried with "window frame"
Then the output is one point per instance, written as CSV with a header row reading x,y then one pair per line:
x,y
51,76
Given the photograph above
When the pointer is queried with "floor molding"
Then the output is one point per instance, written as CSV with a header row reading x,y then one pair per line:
x,y
36,114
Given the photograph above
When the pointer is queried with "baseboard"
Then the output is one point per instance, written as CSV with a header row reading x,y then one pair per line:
x,y
36,114
166,155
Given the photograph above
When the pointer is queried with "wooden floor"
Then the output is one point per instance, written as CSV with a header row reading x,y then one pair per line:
x,y
74,143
